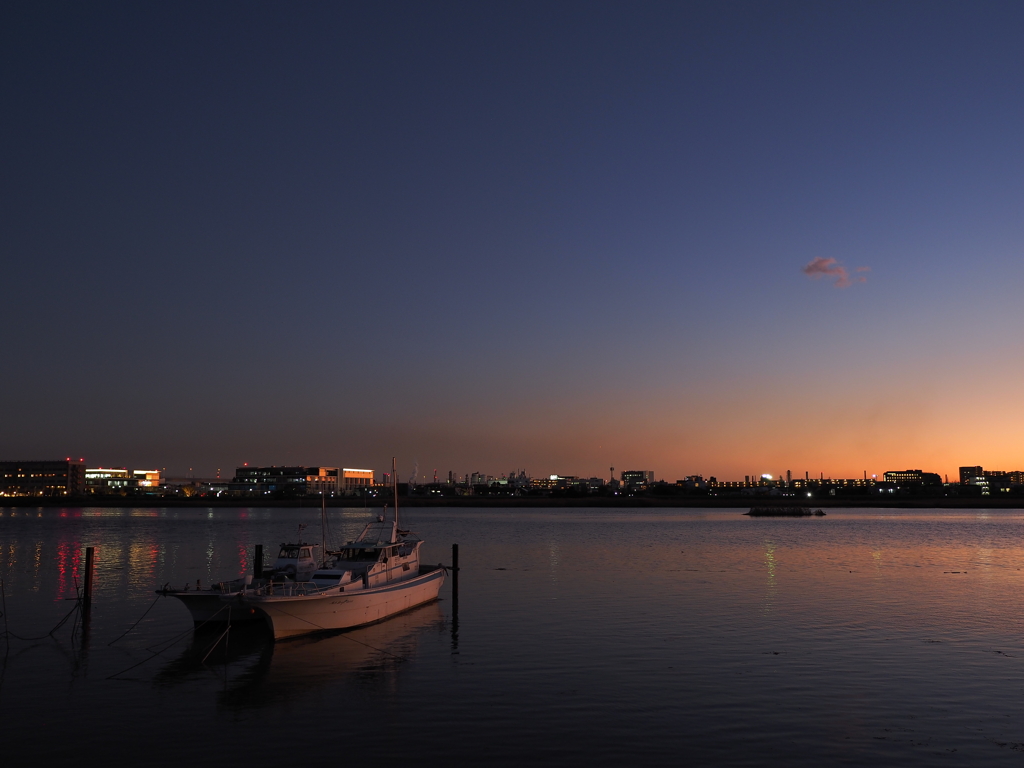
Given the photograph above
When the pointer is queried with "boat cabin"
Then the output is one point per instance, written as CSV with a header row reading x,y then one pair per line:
x,y
295,561
377,557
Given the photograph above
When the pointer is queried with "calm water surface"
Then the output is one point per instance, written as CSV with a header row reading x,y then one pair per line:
x,y
584,636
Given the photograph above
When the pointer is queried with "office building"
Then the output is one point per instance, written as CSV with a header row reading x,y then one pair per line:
x,y
107,480
42,478
354,480
297,481
147,479
913,477
972,475
637,478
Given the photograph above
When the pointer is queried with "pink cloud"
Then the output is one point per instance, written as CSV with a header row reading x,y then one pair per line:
x,y
822,267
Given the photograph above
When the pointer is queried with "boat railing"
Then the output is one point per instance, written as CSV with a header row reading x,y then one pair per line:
x,y
286,589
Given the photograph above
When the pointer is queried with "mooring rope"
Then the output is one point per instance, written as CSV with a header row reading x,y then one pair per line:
x,y
133,626
166,644
7,632
217,642
60,624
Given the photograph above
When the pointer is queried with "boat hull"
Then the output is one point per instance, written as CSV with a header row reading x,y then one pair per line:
x,y
209,607
305,614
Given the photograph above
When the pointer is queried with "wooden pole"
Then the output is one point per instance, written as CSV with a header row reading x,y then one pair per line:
x,y
90,564
455,577
257,563
455,598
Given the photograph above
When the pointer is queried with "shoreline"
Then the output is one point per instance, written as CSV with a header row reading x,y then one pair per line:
x,y
618,502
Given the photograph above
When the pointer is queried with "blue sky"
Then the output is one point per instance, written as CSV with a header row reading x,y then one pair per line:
x,y
553,236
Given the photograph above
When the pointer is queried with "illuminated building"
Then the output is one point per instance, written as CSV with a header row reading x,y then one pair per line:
x,y
42,478
355,479
118,480
972,475
146,478
104,480
289,480
913,477
637,478
322,480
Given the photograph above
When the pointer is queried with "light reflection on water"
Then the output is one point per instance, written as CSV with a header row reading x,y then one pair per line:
x,y
769,561
602,637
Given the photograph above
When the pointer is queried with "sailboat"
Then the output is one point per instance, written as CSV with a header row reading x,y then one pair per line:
x,y
371,578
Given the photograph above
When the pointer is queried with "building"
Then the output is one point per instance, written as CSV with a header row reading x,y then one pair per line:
x,y
637,478
42,478
355,480
147,479
544,483
107,480
322,480
291,481
913,477
972,475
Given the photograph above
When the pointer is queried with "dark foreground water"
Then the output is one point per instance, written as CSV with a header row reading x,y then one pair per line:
x,y
584,637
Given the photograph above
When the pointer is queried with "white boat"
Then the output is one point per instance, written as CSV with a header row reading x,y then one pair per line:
x,y
371,578
294,561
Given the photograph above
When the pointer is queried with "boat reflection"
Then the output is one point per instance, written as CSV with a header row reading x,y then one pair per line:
x,y
252,671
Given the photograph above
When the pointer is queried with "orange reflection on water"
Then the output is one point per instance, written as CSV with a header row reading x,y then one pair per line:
x,y
142,562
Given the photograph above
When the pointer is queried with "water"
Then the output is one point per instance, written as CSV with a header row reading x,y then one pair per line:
x,y
584,636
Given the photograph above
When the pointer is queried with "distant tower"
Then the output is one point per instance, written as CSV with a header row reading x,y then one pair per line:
x,y
612,471
789,477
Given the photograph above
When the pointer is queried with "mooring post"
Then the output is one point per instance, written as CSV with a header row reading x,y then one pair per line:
x,y
455,576
455,598
257,563
90,563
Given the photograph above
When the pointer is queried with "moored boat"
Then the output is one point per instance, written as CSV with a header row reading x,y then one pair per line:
x,y
371,578
207,605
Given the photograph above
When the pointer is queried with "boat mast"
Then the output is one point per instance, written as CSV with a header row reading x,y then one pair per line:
x,y
394,485
323,527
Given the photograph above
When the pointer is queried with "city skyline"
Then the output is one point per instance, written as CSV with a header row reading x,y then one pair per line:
x,y
704,238
459,476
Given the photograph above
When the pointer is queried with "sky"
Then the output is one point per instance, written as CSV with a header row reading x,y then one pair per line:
x,y
718,238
